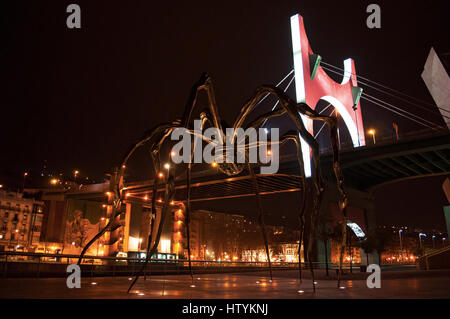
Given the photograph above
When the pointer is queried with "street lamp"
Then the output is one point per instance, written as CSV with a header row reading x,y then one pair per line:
x,y
75,174
372,132
434,246
443,241
420,238
24,178
400,235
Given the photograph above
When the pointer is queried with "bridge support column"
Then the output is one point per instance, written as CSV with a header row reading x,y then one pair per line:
x,y
360,212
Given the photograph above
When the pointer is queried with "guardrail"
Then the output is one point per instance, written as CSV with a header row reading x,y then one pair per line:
x,y
387,139
20,264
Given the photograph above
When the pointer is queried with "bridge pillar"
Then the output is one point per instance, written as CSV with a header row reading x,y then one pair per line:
x,y
361,215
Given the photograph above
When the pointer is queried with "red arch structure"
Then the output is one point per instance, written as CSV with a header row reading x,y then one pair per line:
x,y
313,84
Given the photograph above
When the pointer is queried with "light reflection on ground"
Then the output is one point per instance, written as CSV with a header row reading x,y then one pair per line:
x,y
240,286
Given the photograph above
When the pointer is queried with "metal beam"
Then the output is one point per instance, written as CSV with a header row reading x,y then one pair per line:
x,y
415,162
429,160
379,168
386,163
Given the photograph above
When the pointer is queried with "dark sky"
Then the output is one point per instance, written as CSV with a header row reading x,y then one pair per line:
x,y
79,97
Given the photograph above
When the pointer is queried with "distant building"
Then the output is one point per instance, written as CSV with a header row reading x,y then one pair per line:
x,y
232,237
20,222
216,236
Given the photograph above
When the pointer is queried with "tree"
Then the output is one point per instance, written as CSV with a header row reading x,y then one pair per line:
x,y
368,245
324,233
377,239
418,251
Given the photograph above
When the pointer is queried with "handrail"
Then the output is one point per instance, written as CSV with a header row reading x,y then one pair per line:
x,y
29,254
436,252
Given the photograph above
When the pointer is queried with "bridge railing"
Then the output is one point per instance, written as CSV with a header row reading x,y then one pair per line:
x,y
21,264
388,138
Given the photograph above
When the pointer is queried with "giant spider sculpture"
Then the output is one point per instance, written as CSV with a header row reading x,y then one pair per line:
x,y
156,137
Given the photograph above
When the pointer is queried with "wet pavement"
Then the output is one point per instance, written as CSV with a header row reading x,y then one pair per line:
x,y
285,284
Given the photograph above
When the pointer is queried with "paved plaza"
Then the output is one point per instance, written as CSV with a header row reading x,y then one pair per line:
x,y
285,284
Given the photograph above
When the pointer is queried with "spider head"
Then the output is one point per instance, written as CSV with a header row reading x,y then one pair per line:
x,y
231,169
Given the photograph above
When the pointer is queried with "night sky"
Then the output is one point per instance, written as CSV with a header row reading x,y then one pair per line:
x,y
78,98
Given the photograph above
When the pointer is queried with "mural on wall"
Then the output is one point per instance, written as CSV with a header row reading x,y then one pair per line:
x,y
82,223
77,231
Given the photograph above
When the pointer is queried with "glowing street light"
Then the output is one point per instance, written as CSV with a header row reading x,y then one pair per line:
x,y
167,166
24,178
214,164
54,181
372,132
420,238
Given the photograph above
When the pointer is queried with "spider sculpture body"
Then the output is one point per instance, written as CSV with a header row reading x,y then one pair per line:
x,y
156,137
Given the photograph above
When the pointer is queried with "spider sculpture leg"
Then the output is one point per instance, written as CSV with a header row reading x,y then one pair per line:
x,y
293,109
288,106
116,186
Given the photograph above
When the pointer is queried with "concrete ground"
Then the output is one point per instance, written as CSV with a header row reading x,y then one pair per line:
x,y
394,284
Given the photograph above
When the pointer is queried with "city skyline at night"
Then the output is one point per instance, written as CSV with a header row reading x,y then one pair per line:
x,y
239,150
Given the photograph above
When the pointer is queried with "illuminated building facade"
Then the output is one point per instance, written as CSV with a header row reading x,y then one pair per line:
x,y
173,235
216,236
20,222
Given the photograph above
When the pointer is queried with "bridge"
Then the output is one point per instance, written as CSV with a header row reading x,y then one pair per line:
x,y
364,168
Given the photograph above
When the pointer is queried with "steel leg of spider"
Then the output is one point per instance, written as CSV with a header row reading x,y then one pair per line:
x,y
156,137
